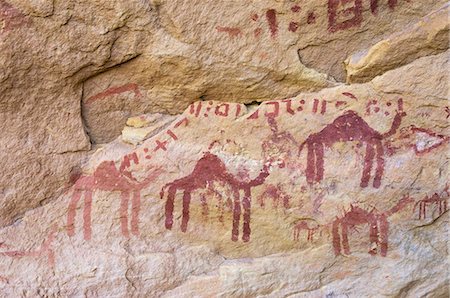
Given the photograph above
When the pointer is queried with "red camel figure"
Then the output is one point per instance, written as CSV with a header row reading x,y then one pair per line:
x,y
106,177
378,225
345,128
209,169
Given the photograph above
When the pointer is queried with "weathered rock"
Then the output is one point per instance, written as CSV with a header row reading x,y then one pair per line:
x,y
313,195
428,37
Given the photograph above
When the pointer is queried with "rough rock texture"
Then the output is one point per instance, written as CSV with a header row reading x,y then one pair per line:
x,y
137,160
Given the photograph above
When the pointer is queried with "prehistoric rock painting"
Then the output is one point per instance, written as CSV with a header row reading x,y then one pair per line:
x,y
378,227
11,17
345,128
45,249
278,196
107,177
304,225
341,15
131,87
210,168
438,200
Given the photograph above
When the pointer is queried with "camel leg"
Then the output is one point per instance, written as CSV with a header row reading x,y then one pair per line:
x,y
170,206
345,244
319,152
310,164
236,216
185,217
135,208
380,165
336,238
373,236
124,213
295,234
72,212
384,230
204,204
368,163
246,203
87,215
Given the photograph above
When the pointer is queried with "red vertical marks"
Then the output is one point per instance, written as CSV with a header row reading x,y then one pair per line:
x,y
222,110
348,94
439,201
323,107
116,90
11,17
195,108
238,110
289,106
271,16
107,177
276,109
126,161
303,225
335,14
172,135
315,106
302,103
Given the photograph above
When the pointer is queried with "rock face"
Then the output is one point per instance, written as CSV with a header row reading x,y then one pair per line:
x,y
205,148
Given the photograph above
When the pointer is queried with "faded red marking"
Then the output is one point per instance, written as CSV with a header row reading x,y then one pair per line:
x,y
255,17
107,177
293,26
447,110
334,15
46,248
223,112
439,201
210,169
276,194
271,16
160,145
346,128
12,17
340,103
116,90
172,135
126,163
311,18
378,227
257,32
182,121
304,225
392,3
348,94
231,31
296,8
199,108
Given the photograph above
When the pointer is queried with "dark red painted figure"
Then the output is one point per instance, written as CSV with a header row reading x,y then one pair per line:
x,y
106,177
209,169
346,128
378,225
435,199
303,225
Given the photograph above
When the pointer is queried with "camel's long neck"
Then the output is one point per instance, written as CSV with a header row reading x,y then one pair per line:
x,y
395,126
399,206
260,178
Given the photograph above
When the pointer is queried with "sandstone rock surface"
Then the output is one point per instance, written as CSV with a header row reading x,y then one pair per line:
x,y
211,149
